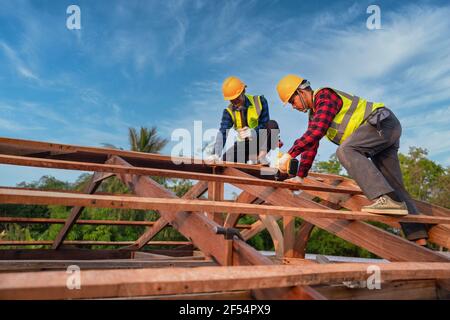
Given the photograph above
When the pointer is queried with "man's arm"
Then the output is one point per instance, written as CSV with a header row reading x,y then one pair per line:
x,y
307,160
225,124
327,104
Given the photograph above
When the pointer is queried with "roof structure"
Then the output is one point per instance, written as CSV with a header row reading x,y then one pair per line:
x,y
216,262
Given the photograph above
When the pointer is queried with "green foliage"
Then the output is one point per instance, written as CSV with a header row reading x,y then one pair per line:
x,y
146,141
424,179
331,166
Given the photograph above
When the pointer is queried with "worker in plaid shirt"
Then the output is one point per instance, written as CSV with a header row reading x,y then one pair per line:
x,y
368,136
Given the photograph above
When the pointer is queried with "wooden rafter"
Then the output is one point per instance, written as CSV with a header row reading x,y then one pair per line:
x,y
147,203
142,282
375,240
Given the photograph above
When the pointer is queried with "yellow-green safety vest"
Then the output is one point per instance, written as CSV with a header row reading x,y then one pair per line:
x,y
253,112
354,112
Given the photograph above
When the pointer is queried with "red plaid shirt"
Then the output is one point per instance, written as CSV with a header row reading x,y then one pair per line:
x,y
326,105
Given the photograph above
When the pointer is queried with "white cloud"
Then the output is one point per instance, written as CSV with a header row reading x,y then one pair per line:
x,y
17,63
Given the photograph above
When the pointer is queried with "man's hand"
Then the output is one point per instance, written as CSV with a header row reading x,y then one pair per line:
x,y
283,162
245,133
296,179
212,159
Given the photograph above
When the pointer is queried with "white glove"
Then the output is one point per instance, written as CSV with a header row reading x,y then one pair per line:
x,y
296,179
245,133
283,162
212,158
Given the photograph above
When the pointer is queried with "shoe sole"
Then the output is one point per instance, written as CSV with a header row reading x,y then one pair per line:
x,y
390,212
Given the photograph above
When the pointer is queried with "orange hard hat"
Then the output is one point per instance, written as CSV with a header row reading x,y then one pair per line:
x,y
287,86
232,87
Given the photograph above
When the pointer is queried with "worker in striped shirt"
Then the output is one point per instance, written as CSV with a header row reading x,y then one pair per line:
x,y
368,138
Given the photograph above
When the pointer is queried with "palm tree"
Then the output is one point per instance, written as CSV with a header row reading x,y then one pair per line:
x,y
146,141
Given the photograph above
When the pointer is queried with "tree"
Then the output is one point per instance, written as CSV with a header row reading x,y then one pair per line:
x,y
332,166
146,141
424,179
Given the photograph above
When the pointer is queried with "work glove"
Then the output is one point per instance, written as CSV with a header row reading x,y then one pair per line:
x,y
295,179
212,159
245,133
283,162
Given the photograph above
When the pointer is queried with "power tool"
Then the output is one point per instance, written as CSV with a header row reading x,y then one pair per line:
x,y
292,169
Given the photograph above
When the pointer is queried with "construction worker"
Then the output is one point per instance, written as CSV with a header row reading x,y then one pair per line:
x,y
247,114
362,130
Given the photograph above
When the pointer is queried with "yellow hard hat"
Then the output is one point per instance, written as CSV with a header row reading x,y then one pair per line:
x,y
287,86
232,87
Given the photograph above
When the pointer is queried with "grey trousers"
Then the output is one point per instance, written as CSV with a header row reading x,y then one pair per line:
x,y
381,173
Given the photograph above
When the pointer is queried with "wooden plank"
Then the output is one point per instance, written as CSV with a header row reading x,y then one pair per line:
x,y
227,295
201,231
438,234
147,203
83,221
395,290
89,243
375,240
63,254
142,282
232,218
196,191
118,169
216,193
301,240
75,212
289,236
27,265
146,256
196,227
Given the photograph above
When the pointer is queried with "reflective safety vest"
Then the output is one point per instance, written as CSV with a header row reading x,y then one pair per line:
x,y
354,112
253,112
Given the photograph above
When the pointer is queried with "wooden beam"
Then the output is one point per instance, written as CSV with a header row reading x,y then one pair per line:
x,y
216,193
88,243
395,290
69,253
72,253
301,240
232,218
22,265
87,222
438,234
380,242
147,203
142,282
196,227
118,169
90,188
289,236
130,223
196,191
201,231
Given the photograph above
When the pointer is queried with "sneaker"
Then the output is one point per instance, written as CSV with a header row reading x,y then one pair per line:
x,y
385,205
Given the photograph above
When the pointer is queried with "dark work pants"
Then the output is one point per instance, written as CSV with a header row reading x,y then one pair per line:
x,y
381,173
267,139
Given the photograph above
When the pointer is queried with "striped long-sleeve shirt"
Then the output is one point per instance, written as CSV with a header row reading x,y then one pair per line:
x,y
326,105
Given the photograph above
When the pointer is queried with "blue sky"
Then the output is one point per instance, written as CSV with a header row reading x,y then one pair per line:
x,y
145,63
